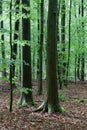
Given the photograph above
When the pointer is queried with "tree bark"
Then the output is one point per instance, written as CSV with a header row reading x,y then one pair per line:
x,y
63,16
41,48
69,44
83,54
26,99
2,44
11,58
15,36
52,101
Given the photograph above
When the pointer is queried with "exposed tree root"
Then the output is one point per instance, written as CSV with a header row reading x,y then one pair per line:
x,y
45,107
23,103
42,107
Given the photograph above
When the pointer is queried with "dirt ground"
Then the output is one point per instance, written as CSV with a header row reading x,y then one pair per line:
x,y
75,103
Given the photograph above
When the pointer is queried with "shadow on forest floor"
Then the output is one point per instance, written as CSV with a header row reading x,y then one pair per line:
x,y
26,119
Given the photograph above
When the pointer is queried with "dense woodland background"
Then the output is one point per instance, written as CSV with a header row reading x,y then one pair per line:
x,y
71,36
44,43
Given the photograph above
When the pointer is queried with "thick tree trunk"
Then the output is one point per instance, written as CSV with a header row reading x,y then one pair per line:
x,y
52,89
52,102
26,99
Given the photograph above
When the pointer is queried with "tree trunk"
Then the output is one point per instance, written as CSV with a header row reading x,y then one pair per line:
x,y
52,102
58,42
38,25
69,44
83,54
11,59
78,66
26,99
41,49
63,41
14,47
15,36
2,45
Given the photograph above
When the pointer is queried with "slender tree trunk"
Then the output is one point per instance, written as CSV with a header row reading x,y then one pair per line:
x,y
69,44
38,25
58,42
11,59
41,48
33,58
75,68
15,37
83,54
79,44
63,16
78,66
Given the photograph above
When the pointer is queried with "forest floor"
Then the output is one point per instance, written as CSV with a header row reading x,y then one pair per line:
x,y
74,100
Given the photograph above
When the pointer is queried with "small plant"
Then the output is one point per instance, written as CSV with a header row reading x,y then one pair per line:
x,y
22,89
81,100
62,97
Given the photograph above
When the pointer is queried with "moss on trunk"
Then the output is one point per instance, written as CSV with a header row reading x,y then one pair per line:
x,y
50,108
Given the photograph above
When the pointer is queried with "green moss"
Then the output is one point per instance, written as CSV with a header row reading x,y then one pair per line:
x,y
61,109
53,109
22,103
83,100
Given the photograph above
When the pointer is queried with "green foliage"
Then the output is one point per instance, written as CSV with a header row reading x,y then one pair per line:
x,y
77,39
22,89
80,100
22,42
63,97
62,110
76,32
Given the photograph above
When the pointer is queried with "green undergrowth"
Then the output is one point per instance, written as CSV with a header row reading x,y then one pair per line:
x,y
80,100
63,97
62,110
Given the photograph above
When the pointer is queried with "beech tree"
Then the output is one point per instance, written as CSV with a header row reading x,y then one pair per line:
x,y
15,35
63,63
52,101
40,67
26,98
